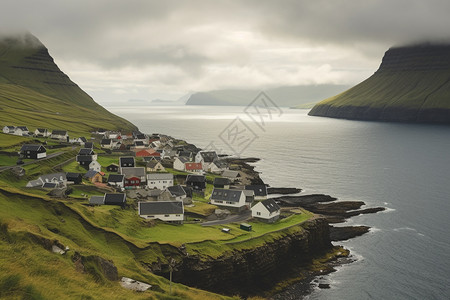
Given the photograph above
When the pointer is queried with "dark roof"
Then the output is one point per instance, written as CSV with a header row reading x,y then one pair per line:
x,y
113,165
41,130
271,205
152,164
86,151
11,127
183,159
226,195
89,145
115,178
161,208
196,178
139,143
50,185
32,147
221,181
83,139
59,132
83,158
115,199
23,128
98,200
140,136
90,174
260,190
176,190
70,176
184,153
126,160
105,141
221,163
209,156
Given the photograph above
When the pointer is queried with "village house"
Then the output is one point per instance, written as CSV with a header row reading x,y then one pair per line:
x,y
155,166
175,192
187,154
81,140
206,158
59,178
234,176
9,129
106,143
126,162
115,199
93,176
139,144
169,211
61,135
169,154
41,132
95,165
231,199
116,180
222,183
260,191
147,153
84,160
33,151
134,177
266,210
249,197
179,163
89,145
191,167
74,178
159,180
87,152
97,200
112,168
196,182
22,130
218,166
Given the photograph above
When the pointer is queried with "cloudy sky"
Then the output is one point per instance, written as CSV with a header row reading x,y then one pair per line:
x,y
121,50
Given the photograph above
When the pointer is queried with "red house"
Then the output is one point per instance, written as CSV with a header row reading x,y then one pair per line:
x,y
132,182
193,167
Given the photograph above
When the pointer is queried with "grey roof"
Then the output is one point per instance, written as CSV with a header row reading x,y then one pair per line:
x,y
115,178
86,151
90,174
152,164
183,159
97,200
54,176
271,205
115,199
184,154
32,147
133,171
141,136
83,139
260,190
195,178
230,174
221,163
70,175
176,190
11,127
88,145
126,160
209,156
106,141
42,130
161,208
83,158
23,128
160,176
221,181
139,143
226,195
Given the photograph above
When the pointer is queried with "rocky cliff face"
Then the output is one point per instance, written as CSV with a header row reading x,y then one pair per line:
x,y
249,271
411,85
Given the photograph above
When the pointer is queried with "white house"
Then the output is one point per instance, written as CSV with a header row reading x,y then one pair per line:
x,y
138,172
260,191
266,210
155,166
9,129
41,132
106,143
59,135
176,192
179,163
95,165
116,180
217,166
159,180
228,198
206,158
169,211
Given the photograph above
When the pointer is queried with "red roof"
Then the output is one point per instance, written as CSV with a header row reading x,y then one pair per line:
x,y
193,166
147,152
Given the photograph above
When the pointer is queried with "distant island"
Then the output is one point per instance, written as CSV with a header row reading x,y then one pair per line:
x,y
411,85
301,96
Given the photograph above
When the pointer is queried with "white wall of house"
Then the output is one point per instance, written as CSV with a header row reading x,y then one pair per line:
x,y
260,211
169,218
95,165
240,203
214,169
41,155
18,131
5,129
178,165
118,184
159,184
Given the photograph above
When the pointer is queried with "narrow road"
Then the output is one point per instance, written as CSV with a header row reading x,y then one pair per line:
x,y
243,216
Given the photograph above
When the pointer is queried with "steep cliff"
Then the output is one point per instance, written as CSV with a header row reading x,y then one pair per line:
x,y
36,93
251,270
411,85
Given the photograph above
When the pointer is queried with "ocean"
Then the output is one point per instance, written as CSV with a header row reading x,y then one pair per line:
x,y
402,167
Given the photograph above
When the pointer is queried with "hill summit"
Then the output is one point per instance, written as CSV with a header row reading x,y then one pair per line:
x,y
36,93
412,84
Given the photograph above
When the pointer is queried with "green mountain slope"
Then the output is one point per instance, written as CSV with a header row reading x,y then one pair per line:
x,y
36,93
304,96
411,85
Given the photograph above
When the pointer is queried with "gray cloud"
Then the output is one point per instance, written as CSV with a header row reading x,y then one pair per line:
x,y
201,45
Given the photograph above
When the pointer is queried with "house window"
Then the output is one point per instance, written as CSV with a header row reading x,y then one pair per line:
x,y
166,216
178,215
258,213
229,202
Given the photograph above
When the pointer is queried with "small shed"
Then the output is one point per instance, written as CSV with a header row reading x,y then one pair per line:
x,y
245,226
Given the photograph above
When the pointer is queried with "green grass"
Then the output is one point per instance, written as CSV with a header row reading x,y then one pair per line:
x,y
201,208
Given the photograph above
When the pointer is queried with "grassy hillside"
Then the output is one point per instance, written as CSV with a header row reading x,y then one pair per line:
x,y
411,85
36,93
304,96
